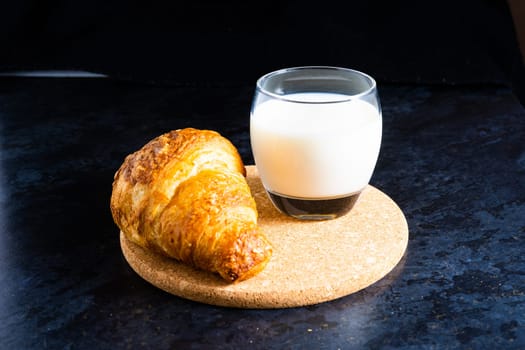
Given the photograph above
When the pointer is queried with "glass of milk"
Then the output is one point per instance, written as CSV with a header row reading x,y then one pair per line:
x,y
315,134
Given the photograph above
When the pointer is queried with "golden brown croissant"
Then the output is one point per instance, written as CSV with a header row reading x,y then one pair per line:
x,y
184,195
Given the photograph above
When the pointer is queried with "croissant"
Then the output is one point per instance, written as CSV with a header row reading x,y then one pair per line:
x,y
184,195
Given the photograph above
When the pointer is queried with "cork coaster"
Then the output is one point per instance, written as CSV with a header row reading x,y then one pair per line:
x,y
313,261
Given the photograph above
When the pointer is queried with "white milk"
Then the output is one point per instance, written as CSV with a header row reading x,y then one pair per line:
x,y
310,150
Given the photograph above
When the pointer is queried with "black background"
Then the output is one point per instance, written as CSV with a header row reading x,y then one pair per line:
x,y
205,41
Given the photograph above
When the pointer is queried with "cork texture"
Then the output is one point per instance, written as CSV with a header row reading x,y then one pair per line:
x,y
313,261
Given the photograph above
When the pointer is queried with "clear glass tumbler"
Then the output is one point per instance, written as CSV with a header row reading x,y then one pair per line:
x,y
315,134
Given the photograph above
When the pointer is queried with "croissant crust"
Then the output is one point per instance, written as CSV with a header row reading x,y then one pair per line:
x,y
184,195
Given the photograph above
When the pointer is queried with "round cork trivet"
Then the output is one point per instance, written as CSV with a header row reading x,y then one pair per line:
x,y
312,262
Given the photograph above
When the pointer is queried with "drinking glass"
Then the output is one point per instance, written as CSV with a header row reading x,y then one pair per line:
x,y
315,134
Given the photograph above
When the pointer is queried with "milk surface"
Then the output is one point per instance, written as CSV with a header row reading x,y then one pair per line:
x,y
311,150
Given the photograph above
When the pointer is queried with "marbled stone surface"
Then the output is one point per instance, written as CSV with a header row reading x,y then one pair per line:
x,y
453,158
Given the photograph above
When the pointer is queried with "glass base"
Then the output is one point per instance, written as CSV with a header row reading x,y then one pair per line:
x,y
314,209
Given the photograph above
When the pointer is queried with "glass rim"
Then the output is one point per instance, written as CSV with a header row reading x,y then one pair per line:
x,y
370,89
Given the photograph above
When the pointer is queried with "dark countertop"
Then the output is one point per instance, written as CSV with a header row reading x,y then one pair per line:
x,y
453,158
